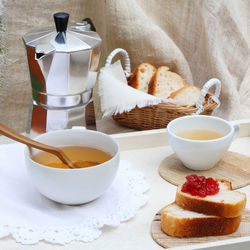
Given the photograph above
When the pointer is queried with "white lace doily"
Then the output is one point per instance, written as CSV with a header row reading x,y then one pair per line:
x,y
29,217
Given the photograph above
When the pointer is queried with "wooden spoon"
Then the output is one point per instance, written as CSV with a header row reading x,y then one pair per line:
x,y
50,149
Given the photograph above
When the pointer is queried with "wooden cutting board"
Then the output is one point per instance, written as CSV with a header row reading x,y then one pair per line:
x,y
233,167
168,241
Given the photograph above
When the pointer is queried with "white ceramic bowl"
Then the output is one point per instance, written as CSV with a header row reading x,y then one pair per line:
x,y
74,186
201,154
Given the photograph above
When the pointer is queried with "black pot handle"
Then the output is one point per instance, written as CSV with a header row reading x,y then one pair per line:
x,y
89,21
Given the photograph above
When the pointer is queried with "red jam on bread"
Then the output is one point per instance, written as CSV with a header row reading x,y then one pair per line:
x,y
200,186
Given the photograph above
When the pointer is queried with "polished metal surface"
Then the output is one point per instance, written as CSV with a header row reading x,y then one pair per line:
x,y
61,65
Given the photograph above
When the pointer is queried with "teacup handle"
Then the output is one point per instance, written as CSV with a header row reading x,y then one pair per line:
x,y
236,127
126,59
204,91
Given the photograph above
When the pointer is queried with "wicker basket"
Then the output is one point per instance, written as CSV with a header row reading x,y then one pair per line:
x,y
158,116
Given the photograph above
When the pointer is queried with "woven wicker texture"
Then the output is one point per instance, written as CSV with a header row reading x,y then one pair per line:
x,y
158,116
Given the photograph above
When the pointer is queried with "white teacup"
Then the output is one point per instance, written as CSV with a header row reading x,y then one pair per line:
x,y
201,154
74,186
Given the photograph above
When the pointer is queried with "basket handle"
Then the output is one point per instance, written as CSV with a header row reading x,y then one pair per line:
x,y
204,91
126,59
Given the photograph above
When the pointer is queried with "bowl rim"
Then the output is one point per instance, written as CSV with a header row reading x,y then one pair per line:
x,y
117,153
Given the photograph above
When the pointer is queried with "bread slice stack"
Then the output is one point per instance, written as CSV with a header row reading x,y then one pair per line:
x,y
178,222
194,216
163,83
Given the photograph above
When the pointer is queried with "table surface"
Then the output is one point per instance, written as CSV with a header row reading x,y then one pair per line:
x,y
135,233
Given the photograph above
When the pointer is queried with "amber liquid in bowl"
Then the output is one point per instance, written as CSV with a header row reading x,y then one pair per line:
x,y
199,134
75,153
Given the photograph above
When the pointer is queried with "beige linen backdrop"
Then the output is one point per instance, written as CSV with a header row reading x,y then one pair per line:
x,y
199,39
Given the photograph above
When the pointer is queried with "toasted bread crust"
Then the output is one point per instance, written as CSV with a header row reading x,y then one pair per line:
x,y
134,79
201,205
198,227
152,86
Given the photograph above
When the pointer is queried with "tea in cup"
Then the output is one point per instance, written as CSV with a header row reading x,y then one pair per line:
x,y
200,141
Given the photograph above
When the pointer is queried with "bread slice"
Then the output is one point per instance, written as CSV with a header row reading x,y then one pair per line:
x,y
165,82
226,203
142,77
175,221
188,95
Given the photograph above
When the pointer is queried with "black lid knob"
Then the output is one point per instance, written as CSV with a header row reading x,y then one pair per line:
x,y
61,21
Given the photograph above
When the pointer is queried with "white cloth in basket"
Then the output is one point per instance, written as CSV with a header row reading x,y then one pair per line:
x,y
29,217
115,94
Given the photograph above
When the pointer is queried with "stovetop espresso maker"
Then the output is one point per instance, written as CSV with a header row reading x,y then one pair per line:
x,y
63,63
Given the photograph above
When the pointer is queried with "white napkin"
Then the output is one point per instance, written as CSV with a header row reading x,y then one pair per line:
x,y
115,94
30,217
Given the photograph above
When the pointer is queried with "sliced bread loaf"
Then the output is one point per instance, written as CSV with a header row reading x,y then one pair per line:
x,y
226,203
188,95
142,76
165,82
175,221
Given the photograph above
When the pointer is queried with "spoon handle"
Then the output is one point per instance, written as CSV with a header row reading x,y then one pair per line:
x,y
35,144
